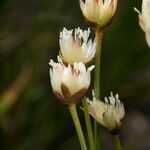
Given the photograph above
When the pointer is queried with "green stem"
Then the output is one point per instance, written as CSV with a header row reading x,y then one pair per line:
x,y
117,142
77,124
98,35
88,125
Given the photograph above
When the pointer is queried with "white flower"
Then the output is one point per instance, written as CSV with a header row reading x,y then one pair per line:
x,y
75,47
108,114
69,83
98,12
144,19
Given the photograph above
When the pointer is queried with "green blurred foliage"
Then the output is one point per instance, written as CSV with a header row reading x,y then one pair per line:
x,y
30,116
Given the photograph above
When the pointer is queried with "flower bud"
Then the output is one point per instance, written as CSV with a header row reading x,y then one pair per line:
x,y
108,114
69,83
75,47
144,19
98,13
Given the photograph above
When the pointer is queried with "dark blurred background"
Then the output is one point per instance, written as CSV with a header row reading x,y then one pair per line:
x,y
30,116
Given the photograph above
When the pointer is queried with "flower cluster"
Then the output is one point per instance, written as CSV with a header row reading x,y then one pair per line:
x,y
108,114
76,47
69,83
98,13
70,77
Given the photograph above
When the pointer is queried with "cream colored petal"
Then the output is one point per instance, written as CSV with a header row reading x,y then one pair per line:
x,y
109,120
97,109
142,22
147,34
122,111
69,78
141,19
107,11
84,77
146,12
82,5
91,10
76,78
55,75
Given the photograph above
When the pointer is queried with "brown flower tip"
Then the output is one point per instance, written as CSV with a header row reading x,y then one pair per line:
x,y
116,130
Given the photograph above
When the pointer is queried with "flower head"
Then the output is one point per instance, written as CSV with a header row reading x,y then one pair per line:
x,y
69,83
144,19
108,114
75,47
98,12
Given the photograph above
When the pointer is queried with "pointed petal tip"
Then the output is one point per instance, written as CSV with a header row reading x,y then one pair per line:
x,y
136,10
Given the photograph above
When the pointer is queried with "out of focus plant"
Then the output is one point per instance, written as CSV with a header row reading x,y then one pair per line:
x,y
9,96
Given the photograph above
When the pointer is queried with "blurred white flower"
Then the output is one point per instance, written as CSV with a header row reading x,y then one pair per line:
x,y
108,114
75,47
144,19
98,12
69,83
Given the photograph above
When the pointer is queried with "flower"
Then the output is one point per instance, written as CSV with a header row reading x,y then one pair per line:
x,y
144,19
69,83
75,47
108,114
98,12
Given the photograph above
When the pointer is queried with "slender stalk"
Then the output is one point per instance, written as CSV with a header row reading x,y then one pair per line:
x,y
98,35
88,125
117,142
77,124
